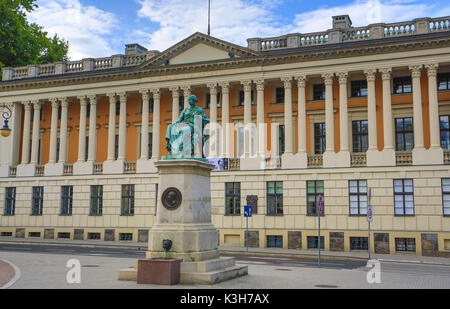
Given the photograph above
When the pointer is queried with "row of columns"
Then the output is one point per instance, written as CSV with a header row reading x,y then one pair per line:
x,y
297,159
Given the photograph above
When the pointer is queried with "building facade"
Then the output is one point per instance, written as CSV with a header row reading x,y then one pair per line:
x,y
336,114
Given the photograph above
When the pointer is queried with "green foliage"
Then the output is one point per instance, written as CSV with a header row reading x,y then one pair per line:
x,y
23,43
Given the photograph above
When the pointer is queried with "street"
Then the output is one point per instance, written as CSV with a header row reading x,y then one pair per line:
x,y
44,266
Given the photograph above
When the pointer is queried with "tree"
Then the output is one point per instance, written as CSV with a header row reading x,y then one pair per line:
x,y
23,43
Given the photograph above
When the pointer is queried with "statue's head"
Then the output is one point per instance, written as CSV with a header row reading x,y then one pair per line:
x,y
192,99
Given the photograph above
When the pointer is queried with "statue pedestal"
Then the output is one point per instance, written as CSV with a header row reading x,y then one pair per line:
x,y
183,216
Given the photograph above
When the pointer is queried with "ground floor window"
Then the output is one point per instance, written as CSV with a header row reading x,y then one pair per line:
x,y
359,243
274,241
405,244
96,201
313,242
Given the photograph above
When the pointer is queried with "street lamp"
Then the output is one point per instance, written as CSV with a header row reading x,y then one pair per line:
x,y
5,131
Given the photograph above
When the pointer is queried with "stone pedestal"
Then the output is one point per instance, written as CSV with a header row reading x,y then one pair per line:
x,y
54,169
145,166
113,167
299,160
26,170
422,156
184,217
386,157
339,159
83,168
159,271
4,171
251,164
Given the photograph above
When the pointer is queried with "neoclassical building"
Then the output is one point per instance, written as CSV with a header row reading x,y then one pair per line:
x,y
357,115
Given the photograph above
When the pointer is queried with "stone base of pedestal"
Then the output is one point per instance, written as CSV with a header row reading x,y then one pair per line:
x,y
145,166
113,167
4,171
211,271
54,169
299,160
26,170
386,157
339,159
422,156
251,164
83,168
159,271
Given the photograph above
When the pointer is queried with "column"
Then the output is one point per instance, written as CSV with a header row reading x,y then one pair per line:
x,y
26,134
301,87
435,140
416,72
16,127
175,103
111,127
53,130
288,115
82,130
435,154
144,124
343,111
186,93
122,127
247,116
63,131
261,136
225,119
35,136
388,131
329,112
92,155
213,142
371,110
156,123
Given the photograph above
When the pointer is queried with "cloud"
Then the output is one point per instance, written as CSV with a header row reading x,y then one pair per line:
x,y
231,20
85,27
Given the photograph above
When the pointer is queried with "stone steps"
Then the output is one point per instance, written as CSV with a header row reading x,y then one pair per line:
x,y
213,277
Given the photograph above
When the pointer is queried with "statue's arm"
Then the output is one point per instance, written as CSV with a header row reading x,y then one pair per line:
x,y
181,118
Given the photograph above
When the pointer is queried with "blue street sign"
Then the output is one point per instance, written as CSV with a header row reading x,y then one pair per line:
x,y
320,204
247,211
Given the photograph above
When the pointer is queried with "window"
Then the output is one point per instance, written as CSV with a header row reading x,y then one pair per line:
x,y
242,97
281,139
37,201
88,110
402,85
118,108
96,201
360,135
359,88
151,103
66,200
314,189
404,134
319,138
313,242
59,112
127,200
58,146
181,103
319,92
116,147
156,197
86,154
208,100
445,132
274,198
446,196
10,201
34,234
126,236
274,241
403,197
232,198
358,197
64,235
359,243
93,236
405,244
150,145
279,95
443,81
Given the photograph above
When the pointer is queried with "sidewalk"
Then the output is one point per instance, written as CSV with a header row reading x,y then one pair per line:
x,y
278,252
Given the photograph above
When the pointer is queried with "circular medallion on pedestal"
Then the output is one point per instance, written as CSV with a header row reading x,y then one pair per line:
x,y
171,198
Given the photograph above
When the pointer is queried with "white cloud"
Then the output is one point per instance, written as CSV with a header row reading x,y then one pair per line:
x,y
231,20
85,27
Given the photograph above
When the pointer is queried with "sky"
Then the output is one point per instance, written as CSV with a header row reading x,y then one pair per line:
x,y
101,28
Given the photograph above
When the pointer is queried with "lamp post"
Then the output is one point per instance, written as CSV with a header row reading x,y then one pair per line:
x,y
5,131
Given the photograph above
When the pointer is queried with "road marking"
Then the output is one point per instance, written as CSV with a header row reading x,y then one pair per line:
x,y
16,275
254,262
269,258
97,254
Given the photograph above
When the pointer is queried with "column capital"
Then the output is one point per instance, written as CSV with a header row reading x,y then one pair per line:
x,y
247,85
370,74
156,92
54,102
287,81
83,100
36,104
225,87
92,99
386,73
122,97
212,88
186,89
64,102
175,90
27,105
301,80
328,78
343,76
432,69
260,83
145,94
416,70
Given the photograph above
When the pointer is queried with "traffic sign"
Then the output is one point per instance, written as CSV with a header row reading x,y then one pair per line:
x,y
320,204
247,211
369,213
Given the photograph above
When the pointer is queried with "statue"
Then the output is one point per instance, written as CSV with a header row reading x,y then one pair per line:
x,y
186,133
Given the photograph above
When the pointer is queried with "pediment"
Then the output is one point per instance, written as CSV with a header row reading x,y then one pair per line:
x,y
199,48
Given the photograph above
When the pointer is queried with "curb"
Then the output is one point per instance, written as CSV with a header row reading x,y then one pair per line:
x,y
138,248
299,256
16,277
